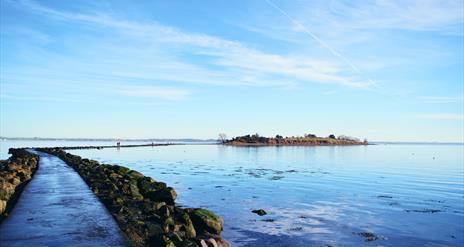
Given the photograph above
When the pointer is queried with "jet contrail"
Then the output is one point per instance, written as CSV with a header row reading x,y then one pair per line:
x,y
322,43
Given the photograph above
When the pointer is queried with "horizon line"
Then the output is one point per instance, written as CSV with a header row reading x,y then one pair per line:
x,y
195,139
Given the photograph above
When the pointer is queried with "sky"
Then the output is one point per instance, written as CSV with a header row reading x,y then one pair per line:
x,y
381,70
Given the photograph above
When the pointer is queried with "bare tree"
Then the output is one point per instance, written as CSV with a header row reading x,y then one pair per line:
x,y
222,137
347,138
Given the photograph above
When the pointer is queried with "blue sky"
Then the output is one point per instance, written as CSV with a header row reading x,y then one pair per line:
x,y
381,70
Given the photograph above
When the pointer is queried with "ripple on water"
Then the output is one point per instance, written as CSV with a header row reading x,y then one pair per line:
x,y
317,196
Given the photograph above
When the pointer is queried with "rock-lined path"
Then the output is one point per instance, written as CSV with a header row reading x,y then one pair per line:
x,y
58,209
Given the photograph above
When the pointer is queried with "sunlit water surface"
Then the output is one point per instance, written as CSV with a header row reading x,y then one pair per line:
x,y
406,195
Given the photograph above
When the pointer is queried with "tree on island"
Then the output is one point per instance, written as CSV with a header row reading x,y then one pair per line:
x,y
222,138
310,136
348,138
332,136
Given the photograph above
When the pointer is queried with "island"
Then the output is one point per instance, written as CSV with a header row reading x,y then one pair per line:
x,y
305,140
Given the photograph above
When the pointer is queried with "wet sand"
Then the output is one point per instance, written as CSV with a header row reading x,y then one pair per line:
x,y
58,209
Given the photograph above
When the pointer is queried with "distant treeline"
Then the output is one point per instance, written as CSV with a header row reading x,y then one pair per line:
x,y
307,139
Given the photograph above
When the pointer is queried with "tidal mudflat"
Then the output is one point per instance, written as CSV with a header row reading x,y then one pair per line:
x,y
389,195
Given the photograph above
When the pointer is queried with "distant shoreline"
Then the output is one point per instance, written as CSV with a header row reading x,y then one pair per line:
x,y
107,139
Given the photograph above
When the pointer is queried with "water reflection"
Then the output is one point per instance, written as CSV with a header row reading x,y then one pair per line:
x,y
315,196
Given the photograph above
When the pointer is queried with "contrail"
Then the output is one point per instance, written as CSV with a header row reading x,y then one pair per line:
x,y
321,42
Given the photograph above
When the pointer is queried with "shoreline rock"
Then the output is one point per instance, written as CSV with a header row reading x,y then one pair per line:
x,y
15,173
259,212
144,208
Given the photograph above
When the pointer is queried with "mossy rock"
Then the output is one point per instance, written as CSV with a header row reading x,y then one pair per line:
x,y
169,243
164,211
167,195
187,230
119,200
153,230
131,190
206,221
135,174
175,237
185,225
187,243
169,224
146,184
120,169
158,205
114,176
156,241
151,188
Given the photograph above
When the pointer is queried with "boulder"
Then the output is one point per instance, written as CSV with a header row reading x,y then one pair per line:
x,y
187,243
206,221
164,211
146,184
2,206
186,225
120,169
6,190
153,231
259,212
167,195
135,174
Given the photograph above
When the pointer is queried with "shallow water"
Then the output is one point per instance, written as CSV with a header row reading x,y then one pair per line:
x,y
406,195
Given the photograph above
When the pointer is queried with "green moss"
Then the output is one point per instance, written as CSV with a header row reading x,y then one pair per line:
x,y
203,213
121,169
169,243
135,174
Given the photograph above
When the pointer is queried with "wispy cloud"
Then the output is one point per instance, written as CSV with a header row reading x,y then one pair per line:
x,y
419,15
157,92
238,63
303,28
441,116
441,99
39,98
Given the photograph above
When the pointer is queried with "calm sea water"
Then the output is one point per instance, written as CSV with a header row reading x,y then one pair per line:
x,y
406,195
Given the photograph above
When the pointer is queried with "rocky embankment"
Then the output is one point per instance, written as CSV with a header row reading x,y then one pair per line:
x,y
115,146
144,208
14,175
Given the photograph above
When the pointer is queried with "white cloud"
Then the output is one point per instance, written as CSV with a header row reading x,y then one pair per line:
x,y
234,63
